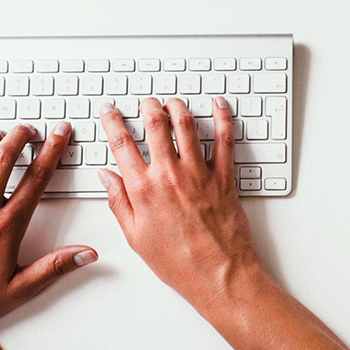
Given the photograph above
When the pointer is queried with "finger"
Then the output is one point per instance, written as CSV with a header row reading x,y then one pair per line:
x,y
124,149
34,181
184,125
11,146
223,152
118,199
33,278
158,132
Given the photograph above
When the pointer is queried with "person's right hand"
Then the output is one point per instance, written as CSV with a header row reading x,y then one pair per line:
x,y
18,284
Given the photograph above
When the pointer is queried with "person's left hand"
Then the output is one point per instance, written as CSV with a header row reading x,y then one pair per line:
x,y
19,284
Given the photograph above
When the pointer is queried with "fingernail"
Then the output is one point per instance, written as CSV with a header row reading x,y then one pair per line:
x,y
61,129
221,102
31,128
103,178
106,107
85,258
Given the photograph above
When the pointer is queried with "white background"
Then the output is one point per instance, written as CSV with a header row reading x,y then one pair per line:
x,y
304,239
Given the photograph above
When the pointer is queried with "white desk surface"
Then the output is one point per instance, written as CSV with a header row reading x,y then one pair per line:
x,y
304,239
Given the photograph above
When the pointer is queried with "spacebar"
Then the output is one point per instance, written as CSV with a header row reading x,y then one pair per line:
x,y
260,152
64,180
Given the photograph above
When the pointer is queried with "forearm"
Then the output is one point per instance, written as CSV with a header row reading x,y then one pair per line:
x,y
254,312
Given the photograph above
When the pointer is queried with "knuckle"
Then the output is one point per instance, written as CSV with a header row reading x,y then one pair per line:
x,y
6,157
155,118
39,172
59,267
120,141
185,120
226,139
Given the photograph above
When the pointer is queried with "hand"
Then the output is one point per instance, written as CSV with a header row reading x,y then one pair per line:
x,y
181,214
19,284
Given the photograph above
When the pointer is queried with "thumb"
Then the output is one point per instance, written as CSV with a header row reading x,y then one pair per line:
x,y
31,279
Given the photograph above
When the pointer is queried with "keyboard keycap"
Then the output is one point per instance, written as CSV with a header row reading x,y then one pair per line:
x,y
2,86
257,129
239,83
42,85
276,108
201,106
78,108
98,65
23,66
47,66
29,108
116,84
17,85
73,66
251,106
190,84
165,84
141,84
7,109
128,107
67,85
276,63
124,65
91,85
26,156
174,65
4,66
275,183
149,65
199,64
260,153
250,172
54,108
84,131
214,84
250,185
250,63
72,155
270,83
225,64
96,154
136,130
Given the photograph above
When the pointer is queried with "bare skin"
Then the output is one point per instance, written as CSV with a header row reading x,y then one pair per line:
x,y
19,284
182,215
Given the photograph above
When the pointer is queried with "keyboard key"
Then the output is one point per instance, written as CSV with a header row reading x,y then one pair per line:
x,y
149,65
257,129
91,85
270,83
174,65
72,155
23,66
276,63
275,184
2,86
101,65
96,104
232,105
47,66
165,84
136,130
124,65
141,84
260,153
17,85
190,84
4,66
7,109
53,108
67,85
201,106
40,135
26,156
251,106
214,84
206,130
28,108
250,185
128,107
96,154
42,85
199,64
116,84
84,131
239,83
145,153
238,129
250,63
250,172
225,64
78,108
276,108
73,66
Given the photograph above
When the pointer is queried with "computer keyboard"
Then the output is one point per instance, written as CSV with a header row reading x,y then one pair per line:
x,y
44,80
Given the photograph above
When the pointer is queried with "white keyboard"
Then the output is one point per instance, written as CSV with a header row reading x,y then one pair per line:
x,y
45,80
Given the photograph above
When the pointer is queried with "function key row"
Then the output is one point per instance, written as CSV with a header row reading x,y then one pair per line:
x,y
144,65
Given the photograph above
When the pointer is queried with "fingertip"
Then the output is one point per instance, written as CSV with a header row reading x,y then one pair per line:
x,y
62,128
221,102
105,108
